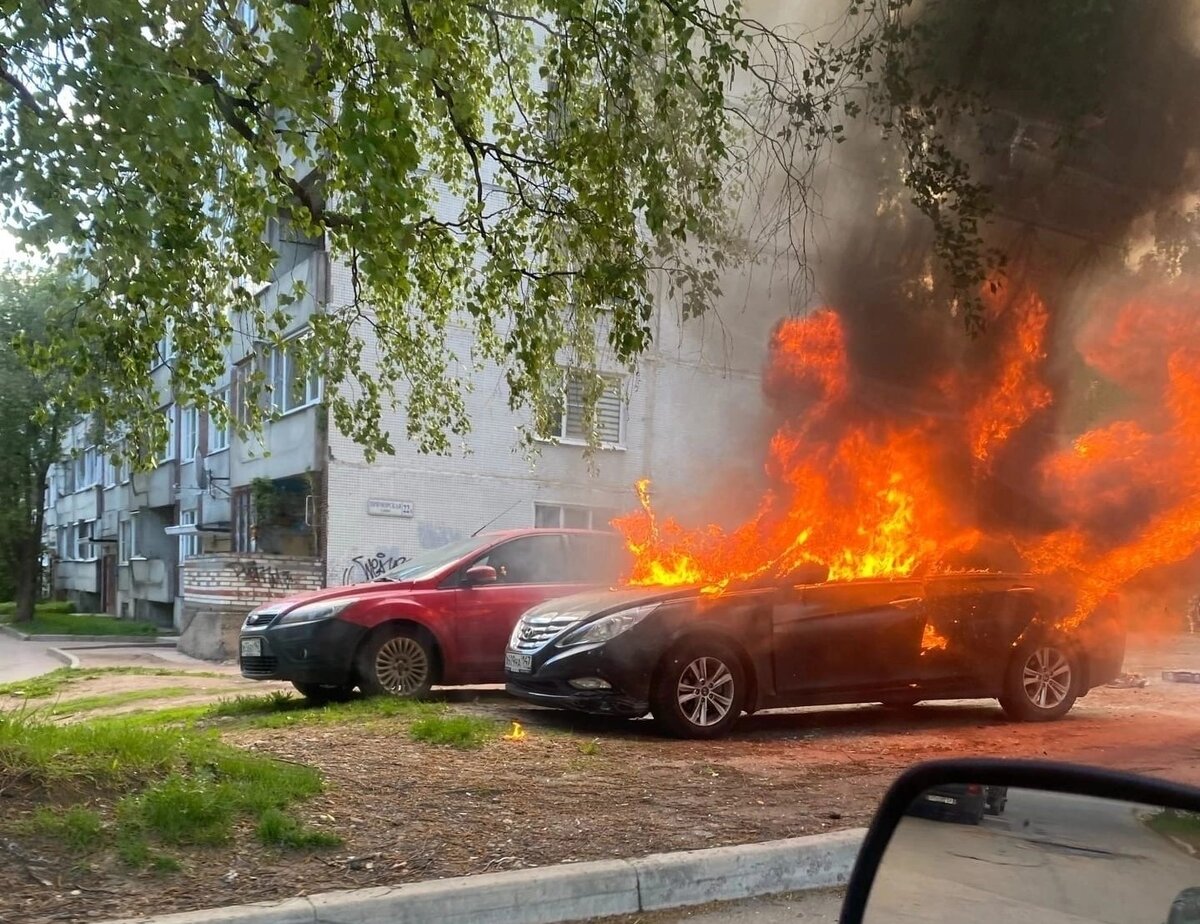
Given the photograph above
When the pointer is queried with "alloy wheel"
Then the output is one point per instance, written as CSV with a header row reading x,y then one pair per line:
x,y
705,691
401,665
1046,677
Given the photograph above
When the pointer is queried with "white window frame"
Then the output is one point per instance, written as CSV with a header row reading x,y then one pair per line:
x,y
169,452
164,349
560,511
219,437
189,434
189,543
281,372
615,384
110,472
127,539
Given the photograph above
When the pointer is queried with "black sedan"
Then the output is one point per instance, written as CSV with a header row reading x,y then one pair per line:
x,y
698,660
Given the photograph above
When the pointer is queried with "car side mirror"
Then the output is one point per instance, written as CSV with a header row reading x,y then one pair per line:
x,y
480,574
1008,840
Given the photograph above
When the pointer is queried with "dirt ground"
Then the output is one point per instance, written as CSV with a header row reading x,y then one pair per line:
x,y
581,789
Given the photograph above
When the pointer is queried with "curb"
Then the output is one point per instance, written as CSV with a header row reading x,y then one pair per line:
x,y
567,892
65,656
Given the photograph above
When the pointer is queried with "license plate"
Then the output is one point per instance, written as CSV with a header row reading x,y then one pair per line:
x,y
251,647
944,800
518,663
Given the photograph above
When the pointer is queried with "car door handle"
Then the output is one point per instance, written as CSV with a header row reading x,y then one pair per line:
x,y
1020,588
904,601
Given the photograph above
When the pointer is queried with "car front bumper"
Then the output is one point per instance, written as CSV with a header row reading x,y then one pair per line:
x,y
623,663
309,652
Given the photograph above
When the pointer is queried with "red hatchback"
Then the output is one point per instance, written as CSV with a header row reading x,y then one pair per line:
x,y
443,617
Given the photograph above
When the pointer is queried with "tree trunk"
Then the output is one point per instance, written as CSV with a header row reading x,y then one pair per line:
x,y
29,555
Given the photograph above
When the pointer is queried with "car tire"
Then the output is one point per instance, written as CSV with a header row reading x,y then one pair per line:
x,y
321,693
699,689
1041,683
397,662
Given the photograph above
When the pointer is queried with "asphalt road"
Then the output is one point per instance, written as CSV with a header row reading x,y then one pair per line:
x,y
1050,858
21,660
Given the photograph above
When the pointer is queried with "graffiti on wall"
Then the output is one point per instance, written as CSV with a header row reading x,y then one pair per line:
x,y
269,576
363,568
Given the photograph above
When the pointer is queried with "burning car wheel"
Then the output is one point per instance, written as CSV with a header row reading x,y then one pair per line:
x,y
318,693
398,663
699,691
1042,682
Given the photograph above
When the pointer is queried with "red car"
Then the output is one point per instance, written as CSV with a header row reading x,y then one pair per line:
x,y
443,617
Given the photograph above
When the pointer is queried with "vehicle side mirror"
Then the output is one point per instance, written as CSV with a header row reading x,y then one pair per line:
x,y
1009,840
480,574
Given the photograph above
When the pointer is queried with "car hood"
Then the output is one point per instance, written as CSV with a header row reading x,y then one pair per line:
x,y
594,603
375,588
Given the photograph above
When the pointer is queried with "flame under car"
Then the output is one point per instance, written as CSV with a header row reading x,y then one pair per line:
x,y
698,660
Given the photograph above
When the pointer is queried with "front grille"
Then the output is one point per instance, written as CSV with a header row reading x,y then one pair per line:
x,y
264,664
258,618
535,631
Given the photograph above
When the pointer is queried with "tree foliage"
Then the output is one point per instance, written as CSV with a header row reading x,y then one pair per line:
x,y
529,169
35,410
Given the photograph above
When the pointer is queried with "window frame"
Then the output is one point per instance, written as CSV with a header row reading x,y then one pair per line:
x,y
562,509
189,544
127,539
220,438
188,453
282,375
172,447
615,383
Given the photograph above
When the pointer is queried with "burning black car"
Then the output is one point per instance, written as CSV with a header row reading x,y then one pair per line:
x,y
698,660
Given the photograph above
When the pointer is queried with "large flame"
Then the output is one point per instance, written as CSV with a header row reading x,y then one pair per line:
x,y
865,493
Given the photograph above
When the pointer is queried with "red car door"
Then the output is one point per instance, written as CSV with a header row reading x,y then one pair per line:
x,y
529,569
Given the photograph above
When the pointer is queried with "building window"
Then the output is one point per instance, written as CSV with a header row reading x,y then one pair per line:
x,y
568,424
127,540
189,545
61,545
243,534
571,516
292,387
189,434
79,544
243,373
218,436
164,350
110,472
167,453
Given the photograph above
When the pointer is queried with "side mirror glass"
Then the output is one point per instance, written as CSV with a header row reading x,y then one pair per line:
x,y
982,843
480,574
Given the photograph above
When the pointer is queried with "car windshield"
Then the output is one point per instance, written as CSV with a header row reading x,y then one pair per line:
x,y
426,564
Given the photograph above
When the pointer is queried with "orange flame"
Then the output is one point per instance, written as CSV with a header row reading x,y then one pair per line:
x,y
516,733
932,640
864,492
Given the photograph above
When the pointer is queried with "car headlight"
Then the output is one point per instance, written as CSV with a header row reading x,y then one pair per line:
x,y
314,612
608,627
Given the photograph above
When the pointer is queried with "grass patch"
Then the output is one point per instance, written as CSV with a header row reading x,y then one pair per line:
x,y
282,710
79,828
47,607
112,700
279,829
57,680
181,786
465,732
82,624
589,748
1183,826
